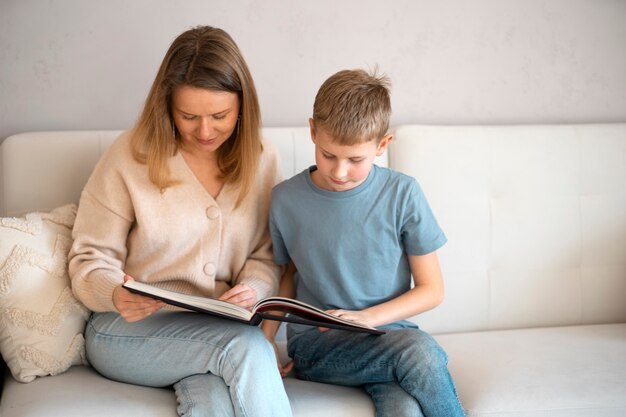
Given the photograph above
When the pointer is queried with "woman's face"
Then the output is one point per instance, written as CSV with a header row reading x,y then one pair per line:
x,y
205,119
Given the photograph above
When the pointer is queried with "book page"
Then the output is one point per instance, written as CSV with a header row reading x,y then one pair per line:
x,y
302,309
184,300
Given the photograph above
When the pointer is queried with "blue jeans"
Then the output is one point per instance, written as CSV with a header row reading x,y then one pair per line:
x,y
405,371
217,367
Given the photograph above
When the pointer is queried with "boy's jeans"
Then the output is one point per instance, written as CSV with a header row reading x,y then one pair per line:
x,y
389,366
217,367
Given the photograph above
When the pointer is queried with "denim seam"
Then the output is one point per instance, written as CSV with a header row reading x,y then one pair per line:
x,y
235,385
188,398
340,364
227,360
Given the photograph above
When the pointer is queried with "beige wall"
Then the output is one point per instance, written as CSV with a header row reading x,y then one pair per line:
x,y
86,64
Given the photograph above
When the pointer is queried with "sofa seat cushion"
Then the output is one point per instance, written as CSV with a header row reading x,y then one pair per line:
x,y
577,371
82,392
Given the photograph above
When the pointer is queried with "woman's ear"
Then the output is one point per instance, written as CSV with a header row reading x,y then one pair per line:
x,y
382,145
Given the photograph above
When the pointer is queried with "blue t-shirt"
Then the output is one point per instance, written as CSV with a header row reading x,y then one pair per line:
x,y
350,247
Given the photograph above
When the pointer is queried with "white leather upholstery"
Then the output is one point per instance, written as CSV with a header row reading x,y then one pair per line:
x,y
82,392
571,371
43,170
535,217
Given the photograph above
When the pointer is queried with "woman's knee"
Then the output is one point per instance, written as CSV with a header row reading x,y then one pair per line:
x,y
250,339
203,395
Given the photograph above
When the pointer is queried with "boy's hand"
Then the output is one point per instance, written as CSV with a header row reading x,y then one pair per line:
x,y
241,295
283,369
134,307
359,316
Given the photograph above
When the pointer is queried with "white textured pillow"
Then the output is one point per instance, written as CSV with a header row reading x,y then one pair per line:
x,y
41,323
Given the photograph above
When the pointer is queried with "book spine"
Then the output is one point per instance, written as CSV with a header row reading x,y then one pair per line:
x,y
256,319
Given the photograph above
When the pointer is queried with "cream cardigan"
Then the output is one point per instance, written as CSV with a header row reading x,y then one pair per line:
x,y
182,239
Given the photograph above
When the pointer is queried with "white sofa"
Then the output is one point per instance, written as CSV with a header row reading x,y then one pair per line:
x,y
534,319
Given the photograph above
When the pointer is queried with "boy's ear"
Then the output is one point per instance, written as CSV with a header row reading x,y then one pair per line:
x,y
312,128
382,145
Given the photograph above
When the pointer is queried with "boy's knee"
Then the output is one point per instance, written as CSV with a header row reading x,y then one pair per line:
x,y
418,346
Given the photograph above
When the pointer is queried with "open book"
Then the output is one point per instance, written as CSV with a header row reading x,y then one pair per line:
x,y
288,309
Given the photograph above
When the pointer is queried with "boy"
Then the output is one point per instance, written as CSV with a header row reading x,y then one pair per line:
x,y
352,234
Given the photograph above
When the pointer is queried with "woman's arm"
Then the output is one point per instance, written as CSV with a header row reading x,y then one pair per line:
x,y
105,216
260,276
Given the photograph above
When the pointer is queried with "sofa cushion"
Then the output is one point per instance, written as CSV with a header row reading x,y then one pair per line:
x,y
80,392
101,397
42,323
573,371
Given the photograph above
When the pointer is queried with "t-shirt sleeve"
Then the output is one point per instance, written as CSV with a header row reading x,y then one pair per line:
x,y
420,232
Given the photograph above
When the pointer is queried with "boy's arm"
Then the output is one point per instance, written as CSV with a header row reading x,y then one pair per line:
x,y
285,289
270,327
425,295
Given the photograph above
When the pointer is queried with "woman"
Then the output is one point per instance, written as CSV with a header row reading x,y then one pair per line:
x,y
181,201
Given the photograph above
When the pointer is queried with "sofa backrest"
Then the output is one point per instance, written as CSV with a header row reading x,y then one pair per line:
x,y
535,215
43,170
535,218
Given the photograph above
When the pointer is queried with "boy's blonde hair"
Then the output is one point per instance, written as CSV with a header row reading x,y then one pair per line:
x,y
353,106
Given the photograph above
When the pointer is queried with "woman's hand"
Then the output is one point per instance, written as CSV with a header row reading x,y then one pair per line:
x,y
134,307
241,295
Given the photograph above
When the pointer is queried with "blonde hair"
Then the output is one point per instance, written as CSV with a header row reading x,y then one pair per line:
x,y
202,57
353,106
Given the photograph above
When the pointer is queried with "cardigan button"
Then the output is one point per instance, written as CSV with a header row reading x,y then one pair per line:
x,y
212,212
210,269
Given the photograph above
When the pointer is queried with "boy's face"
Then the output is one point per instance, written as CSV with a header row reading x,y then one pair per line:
x,y
341,167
